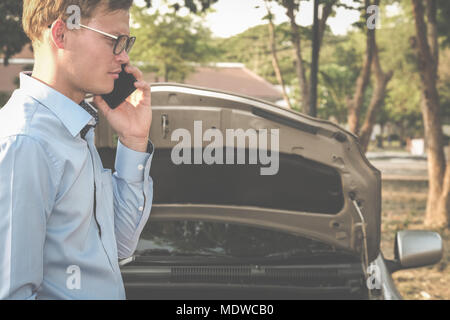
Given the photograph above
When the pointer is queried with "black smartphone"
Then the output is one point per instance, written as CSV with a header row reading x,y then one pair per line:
x,y
123,88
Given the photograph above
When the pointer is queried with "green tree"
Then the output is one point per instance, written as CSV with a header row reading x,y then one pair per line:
x,y
169,44
252,48
273,48
12,37
442,21
402,104
426,43
335,84
292,9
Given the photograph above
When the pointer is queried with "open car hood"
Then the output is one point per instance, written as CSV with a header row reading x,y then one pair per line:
x,y
324,187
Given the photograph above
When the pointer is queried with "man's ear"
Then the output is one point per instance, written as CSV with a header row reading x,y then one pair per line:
x,y
58,34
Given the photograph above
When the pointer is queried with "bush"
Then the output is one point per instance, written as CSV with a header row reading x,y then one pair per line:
x,y
393,137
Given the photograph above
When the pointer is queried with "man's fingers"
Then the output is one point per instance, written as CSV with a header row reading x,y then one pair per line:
x,y
134,71
145,89
142,85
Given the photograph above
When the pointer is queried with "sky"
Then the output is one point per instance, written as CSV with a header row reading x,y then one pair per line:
x,y
235,16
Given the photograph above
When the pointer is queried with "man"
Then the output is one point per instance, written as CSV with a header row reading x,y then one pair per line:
x,y
64,220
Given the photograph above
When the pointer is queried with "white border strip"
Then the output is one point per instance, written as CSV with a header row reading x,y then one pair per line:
x,y
18,61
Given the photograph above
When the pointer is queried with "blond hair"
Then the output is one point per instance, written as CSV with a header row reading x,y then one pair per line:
x,y
39,14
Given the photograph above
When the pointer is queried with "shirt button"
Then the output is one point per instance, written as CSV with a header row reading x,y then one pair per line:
x,y
140,167
141,209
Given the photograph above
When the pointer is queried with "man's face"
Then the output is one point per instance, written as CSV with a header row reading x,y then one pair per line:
x,y
89,61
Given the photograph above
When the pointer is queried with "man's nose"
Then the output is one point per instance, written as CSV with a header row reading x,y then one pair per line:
x,y
123,57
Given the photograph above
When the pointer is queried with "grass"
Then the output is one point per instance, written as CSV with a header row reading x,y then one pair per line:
x,y
403,206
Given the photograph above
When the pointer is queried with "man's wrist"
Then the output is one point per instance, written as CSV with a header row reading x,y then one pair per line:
x,y
131,165
139,145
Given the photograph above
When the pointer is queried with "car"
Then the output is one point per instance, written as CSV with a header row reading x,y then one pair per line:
x,y
255,201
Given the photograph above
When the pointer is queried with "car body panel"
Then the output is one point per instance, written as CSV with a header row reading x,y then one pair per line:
x,y
178,106
389,291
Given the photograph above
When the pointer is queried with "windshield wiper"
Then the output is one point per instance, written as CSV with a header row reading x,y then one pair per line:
x,y
171,253
289,254
158,254
154,252
295,253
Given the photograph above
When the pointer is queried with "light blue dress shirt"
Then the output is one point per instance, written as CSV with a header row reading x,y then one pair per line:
x,y
50,244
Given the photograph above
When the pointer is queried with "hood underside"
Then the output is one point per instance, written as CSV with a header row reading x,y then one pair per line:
x,y
302,175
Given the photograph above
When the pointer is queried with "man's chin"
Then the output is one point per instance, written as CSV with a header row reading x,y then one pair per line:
x,y
101,91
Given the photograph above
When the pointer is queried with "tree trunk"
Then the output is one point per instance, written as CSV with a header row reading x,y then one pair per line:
x,y
427,52
275,63
300,67
435,154
166,73
354,110
326,11
314,62
291,7
432,32
442,218
376,102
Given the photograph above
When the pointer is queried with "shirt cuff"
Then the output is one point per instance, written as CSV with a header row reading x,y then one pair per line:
x,y
130,165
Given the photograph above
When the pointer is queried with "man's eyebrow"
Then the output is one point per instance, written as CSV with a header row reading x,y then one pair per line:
x,y
117,33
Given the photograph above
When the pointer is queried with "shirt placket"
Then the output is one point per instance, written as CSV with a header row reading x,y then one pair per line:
x,y
98,192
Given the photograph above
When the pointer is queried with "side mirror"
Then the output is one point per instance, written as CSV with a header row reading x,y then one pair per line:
x,y
416,248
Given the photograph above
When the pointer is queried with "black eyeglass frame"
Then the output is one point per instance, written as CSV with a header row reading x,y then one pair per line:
x,y
127,45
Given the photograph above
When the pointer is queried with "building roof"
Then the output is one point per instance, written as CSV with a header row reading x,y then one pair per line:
x,y
232,77
235,79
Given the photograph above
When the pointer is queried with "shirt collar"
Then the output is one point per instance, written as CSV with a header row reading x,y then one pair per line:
x,y
73,116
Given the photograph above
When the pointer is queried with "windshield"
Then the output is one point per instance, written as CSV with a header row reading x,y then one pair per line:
x,y
230,240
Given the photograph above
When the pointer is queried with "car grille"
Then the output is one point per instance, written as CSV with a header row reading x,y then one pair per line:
x,y
267,275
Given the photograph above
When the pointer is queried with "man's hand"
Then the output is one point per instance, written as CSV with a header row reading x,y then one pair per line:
x,y
133,117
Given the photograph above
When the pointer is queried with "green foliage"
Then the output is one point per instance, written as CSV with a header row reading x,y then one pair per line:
x,y
195,6
335,84
444,83
402,103
443,12
251,47
168,44
12,37
340,62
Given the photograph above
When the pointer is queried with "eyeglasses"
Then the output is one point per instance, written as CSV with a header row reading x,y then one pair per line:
x,y
123,42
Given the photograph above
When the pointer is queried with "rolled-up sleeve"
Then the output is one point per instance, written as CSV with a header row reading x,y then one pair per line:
x,y
28,180
133,196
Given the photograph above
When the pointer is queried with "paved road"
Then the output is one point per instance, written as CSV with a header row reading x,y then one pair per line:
x,y
397,165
